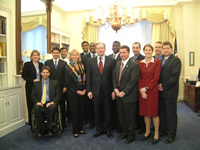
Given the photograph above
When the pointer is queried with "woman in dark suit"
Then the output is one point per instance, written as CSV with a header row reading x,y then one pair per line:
x,y
31,73
148,86
75,78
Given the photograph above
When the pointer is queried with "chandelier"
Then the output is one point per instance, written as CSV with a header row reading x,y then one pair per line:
x,y
116,16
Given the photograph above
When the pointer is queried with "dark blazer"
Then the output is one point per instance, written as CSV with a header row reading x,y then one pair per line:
x,y
140,57
169,76
59,73
128,82
85,59
118,57
54,92
29,73
95,80
82,54
72,86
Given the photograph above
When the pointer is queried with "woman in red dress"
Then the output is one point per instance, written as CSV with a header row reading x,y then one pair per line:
x,y
148,91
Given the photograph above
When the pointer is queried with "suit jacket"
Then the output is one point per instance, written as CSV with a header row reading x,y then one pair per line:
x,y
118,57
140,57
169,77
29,73
59,73
149,76
71,81
128,82
54,92
85,59
95,81
82,54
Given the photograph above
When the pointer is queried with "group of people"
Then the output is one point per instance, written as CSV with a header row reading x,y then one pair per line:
x,y
108,92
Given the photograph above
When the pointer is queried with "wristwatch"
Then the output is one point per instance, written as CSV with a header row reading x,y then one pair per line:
x,y
146,88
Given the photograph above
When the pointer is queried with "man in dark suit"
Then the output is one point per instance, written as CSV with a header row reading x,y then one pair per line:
x,y
89,108
100,88
125,81
114,112
45,97
158,50
169,86
115,47
85,47
57,67
136,47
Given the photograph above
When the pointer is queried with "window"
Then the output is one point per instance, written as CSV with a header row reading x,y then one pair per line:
x,y
35,39
140,32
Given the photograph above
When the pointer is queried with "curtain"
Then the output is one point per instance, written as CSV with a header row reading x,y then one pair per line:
x,y
31,22
161,18
35,39
141,32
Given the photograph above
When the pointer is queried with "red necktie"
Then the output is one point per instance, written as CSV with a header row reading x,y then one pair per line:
x,y
100,66
120,73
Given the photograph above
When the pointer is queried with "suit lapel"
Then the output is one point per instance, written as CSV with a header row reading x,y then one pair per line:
x,y
167,61
125,69
118,69
97,65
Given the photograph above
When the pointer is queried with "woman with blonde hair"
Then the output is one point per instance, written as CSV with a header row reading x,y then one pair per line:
x,y
75,78
31,73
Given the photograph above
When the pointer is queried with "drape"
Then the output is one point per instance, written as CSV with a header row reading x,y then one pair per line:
x,y
162,19
31,22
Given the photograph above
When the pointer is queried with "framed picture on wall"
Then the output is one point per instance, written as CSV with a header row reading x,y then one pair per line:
x,y
191,58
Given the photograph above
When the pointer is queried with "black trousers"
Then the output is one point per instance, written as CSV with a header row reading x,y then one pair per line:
x,y
40,113
168,116
102,111
90,111
29,103
139,119
63,110
115,115
127,116
76,105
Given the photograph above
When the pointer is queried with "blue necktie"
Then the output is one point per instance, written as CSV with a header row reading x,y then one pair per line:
x,y
163,62
55,64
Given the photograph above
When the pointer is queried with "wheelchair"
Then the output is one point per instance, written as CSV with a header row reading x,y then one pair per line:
x,y
57,124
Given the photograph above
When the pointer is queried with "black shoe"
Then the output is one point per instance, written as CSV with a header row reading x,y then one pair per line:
x,y
155,141
119,130
82,132
162,134
169,140
76,135
91,126
145,137
97,134
129,141
141,131
122,136
109,134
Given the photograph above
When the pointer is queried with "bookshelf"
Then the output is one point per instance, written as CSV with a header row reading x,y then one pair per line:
x,y
59,39
3,54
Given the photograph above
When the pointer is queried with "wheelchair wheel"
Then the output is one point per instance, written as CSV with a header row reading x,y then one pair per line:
x,y
59,122
35,132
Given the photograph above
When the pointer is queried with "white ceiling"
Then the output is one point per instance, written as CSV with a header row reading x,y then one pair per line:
x,y
76,5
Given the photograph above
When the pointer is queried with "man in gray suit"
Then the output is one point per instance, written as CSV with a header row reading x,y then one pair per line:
x,y
125,79
100,88
169,86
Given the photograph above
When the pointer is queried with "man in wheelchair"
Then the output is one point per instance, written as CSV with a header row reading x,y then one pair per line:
x,y
45,97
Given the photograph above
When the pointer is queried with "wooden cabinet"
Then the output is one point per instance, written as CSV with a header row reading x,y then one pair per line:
x,y
11,110
192,97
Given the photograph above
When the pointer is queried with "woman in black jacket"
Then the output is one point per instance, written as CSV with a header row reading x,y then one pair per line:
x,y
75,78
31,73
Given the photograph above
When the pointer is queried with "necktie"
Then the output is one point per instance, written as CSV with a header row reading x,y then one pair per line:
x,y
93,55
163,62
55,64
133,58
120,73
114,56
44,93
100,66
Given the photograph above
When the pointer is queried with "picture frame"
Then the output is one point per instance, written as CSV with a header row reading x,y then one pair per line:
x,y
191,58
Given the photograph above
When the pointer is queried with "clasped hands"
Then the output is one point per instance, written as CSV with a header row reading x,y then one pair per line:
x,y
143,93
118,93
47,105
81,92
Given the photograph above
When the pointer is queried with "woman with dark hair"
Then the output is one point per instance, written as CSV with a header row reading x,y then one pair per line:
x,y
31,73
148,86
75,78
